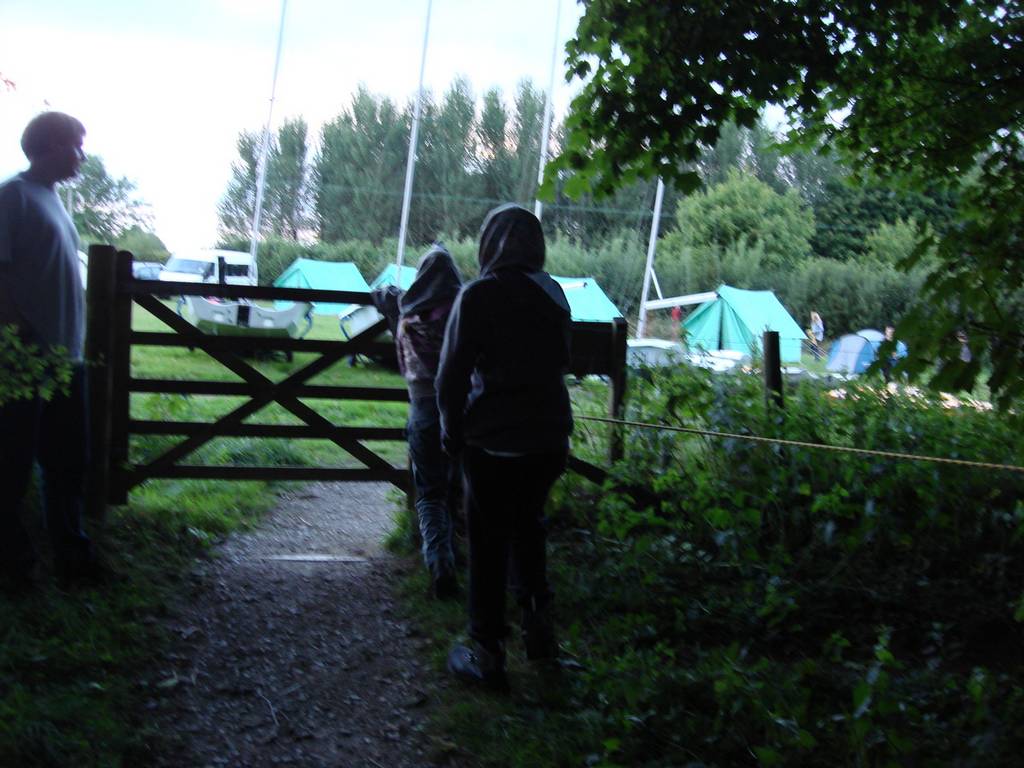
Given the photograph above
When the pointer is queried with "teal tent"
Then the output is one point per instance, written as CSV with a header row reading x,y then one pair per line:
x,y
587,301
324,275
736,319
387,277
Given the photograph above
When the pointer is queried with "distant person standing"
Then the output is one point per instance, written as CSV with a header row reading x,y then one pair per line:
x,y
899,350
504,406
41,296
965,349
677,322
419,316
817,334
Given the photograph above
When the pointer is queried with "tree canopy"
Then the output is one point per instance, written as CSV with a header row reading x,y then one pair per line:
x,y
144,245
744,209
914,93
103,207
287,200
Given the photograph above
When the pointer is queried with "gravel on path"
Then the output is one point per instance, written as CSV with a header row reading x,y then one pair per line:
x,y
289,647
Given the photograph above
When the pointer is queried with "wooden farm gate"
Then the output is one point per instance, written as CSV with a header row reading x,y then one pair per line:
x,y
598,348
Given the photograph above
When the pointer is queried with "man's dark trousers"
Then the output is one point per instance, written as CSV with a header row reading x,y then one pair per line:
x,y
54,432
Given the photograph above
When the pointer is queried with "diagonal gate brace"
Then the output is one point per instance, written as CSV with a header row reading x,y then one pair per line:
x,y
264,391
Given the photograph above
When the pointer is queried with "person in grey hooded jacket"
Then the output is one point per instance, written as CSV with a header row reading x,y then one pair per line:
x,y
504,406
418,317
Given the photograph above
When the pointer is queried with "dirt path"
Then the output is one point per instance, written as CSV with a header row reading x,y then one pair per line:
x,y
290,650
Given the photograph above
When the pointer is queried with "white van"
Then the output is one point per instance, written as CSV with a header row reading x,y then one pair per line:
x,y
204,267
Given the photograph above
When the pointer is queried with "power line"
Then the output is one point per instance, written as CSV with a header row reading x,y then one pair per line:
x,y
492,201
802,444
640,213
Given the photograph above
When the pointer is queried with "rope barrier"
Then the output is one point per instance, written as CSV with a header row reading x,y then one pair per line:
x,y
802,444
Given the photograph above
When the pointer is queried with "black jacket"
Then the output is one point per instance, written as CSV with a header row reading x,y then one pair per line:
x,y
501,383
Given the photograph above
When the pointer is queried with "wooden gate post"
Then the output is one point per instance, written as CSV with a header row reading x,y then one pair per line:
x,y
772,367
99,328
618,380
120,373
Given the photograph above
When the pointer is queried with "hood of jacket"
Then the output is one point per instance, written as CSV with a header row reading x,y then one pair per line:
x,y
437,282
512,243
511,239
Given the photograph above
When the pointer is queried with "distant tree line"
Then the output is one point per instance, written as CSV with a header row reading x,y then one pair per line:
x,y
472,155
795,223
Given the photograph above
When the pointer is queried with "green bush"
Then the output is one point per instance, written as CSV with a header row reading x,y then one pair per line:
x,y
742,208
27,369
800,606
850,295
781,605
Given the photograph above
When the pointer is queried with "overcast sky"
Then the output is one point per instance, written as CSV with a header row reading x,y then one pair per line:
x,y
164,86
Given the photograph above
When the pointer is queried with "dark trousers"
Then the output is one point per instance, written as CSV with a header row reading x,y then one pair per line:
x,y
55,433
432,476
505,499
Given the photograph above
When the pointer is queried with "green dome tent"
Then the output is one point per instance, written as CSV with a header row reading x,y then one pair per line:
x,y
736,319
587,302
387,277
326,275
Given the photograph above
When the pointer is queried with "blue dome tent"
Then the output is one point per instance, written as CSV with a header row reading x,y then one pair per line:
x,y
853,353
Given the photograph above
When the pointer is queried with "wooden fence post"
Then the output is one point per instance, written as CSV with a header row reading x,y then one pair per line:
x,y
120,397
618,381
773,367
99,328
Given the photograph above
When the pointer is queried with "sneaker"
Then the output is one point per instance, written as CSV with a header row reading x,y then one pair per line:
x,y
475,664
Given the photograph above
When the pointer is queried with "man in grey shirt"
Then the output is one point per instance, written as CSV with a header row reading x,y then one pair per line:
x,y
41,296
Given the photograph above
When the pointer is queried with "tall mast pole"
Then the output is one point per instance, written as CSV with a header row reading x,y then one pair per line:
x,y
410,164
546,128
641,323
261,166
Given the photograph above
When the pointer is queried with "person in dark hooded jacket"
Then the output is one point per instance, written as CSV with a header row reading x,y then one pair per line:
x,y
504,406
418,317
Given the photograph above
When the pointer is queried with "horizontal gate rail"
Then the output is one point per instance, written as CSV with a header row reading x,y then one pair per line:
x,y
295,431
397,477
257,344
139,288
239,388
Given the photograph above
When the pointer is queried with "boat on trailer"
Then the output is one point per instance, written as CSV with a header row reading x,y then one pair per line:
x,y
238,318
